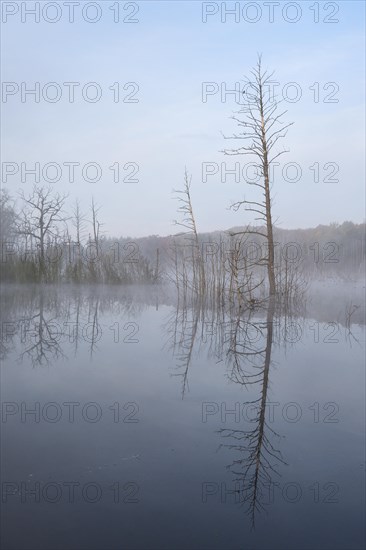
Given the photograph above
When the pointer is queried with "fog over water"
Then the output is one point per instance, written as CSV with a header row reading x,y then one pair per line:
x,y
169,420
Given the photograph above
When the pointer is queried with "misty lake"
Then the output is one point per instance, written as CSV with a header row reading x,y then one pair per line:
x,y
130,421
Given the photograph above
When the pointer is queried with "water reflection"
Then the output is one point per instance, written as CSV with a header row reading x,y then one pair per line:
x,y
238,350
249,364
243,340
44,323
39,327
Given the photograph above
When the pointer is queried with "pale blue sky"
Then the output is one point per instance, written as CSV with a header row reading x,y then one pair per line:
x,y
169,53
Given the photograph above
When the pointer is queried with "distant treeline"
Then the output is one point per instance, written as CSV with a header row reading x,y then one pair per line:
x,y
326,250
42,242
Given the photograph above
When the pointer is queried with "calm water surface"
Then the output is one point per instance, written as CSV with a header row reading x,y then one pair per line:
x,y
131,422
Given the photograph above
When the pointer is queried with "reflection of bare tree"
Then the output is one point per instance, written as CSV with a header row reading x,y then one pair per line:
x,y
259,458
42,323
182,329
244,356
227,332
44,338
245,341
93,335
77,325
350,311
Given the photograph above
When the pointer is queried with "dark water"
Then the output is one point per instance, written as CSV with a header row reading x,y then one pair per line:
x,y
162,427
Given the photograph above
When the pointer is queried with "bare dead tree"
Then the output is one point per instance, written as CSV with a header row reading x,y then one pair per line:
x,y
96,225
40,217
261,122
78,221
188,222
94,264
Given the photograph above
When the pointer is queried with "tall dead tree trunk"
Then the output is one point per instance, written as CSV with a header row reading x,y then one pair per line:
x,y
262,127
